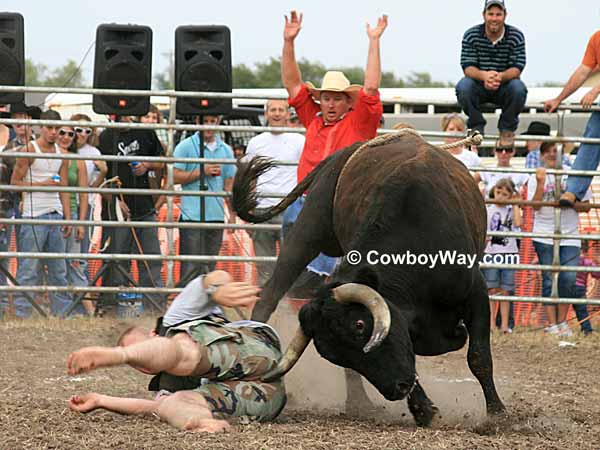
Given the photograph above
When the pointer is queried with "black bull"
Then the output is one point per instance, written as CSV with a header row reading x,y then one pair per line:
x,y
402,196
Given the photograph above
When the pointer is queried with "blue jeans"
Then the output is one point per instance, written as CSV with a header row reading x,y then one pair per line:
x,y
322,264
587,158
76,268
569,256
42,238
510,96
581,311
123,242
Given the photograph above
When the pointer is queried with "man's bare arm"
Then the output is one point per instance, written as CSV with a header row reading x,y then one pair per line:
x,y
373,70
575,81
510,74
130,406
290,72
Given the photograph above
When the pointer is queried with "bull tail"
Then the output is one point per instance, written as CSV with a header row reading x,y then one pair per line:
x,y
244,199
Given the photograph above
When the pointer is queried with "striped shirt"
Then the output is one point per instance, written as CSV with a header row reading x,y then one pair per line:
x,y
479,51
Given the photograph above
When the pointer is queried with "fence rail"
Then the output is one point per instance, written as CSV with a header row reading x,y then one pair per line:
x,y
170,225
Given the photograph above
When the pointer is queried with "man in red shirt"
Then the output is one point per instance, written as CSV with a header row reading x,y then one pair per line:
x,y
588,155
335,116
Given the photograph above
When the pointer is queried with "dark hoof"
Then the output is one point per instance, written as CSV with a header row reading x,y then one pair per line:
x,y
424,414
497,411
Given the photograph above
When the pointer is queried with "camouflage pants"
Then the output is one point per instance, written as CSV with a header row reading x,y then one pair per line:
x,y
238,357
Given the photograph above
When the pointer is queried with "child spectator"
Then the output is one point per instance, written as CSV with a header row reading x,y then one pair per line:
x,y
581,288
502,218
454,123
542,187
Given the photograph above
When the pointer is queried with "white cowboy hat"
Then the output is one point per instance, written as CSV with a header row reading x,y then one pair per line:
x,y
334,81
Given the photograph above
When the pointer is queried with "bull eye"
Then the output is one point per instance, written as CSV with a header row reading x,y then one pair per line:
x,y
360,326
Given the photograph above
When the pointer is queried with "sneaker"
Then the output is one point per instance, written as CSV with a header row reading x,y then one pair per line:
x,y
564,330
553,330
307,285
568,200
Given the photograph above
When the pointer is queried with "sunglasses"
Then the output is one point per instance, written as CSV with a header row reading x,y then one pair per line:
x,y
504,150
66,133
79,130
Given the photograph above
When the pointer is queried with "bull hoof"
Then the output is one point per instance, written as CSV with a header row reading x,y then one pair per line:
x,y
424,414
497,410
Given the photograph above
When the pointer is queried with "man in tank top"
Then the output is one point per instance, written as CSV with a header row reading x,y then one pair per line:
x,y
39,172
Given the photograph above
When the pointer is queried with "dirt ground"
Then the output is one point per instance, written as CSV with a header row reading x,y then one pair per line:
x,y
551,393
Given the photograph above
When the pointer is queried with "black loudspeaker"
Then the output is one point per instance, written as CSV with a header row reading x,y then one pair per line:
x,y
123,61
203,63
12,56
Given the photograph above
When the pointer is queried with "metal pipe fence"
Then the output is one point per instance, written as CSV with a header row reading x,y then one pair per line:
x,y
170,192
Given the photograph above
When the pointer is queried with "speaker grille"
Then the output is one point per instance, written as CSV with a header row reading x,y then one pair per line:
x,y
10,72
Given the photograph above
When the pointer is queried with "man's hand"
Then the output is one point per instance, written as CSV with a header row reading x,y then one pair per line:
x,y
589,99
375,33
213,170
140,169
79,233
292,26
492,80
540,175
66,231
85,403
236,294
551,105
124,209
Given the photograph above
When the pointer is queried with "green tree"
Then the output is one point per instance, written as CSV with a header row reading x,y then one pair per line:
x,y
243,77
67,75
166,79
423,79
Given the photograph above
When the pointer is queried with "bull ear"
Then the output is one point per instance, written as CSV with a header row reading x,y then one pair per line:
x,y
309,317
368,276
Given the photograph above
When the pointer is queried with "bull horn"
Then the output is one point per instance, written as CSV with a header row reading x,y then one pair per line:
x,y
290,358
370,298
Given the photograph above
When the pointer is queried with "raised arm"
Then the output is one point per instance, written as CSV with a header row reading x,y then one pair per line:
x,y
373,71
290,72
575,81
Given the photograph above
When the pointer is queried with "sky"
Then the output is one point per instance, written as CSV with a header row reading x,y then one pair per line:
x,y
422,36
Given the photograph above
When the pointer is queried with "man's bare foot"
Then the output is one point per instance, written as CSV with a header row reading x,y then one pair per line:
x,y
209,426
90,358
84,403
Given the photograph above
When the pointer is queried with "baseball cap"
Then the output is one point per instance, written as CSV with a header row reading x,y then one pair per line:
x,y
489,3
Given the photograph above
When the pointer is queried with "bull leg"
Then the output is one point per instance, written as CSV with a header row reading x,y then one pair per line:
x,y
479,355
421,407
357,399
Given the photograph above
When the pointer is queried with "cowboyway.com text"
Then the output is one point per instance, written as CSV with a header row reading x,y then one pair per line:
x,y
444,257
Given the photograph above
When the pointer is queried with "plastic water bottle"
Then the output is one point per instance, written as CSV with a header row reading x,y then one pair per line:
x,y
129,305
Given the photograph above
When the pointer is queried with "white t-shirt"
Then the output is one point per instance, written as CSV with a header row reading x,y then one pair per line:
x,y
500,218
544,217
490,179
468,158
280,179
92,170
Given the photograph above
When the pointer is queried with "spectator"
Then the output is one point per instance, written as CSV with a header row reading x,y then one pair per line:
x,y
489,179
581,281
588,155
293,119
454,123
335,116
4,130
43,206
239,150
502,218
86,142
131,142
155,115
492,58
542,187
218,178
77,177
280,179
533,160
156,178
